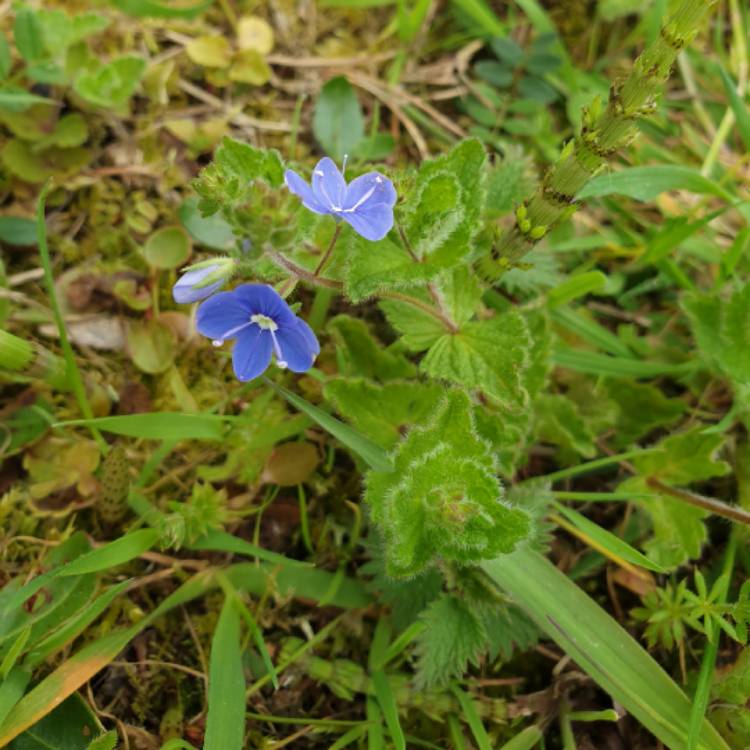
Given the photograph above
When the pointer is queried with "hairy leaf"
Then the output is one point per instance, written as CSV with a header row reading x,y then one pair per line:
x,y
488,355
361,354
383,412
722,329
443,499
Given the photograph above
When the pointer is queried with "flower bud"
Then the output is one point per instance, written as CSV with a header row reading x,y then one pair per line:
x,y
202,279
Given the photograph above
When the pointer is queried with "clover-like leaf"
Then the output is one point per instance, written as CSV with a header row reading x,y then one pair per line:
x,y
443,499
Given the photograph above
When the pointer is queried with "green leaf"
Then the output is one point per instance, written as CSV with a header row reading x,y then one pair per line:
x,y
60,30
721,325
684,457
210,51
209,231
608,540
153,9
122,550
678,529
164,425
338,124
642,408
440,220
69,727
6,61
508,182
17,230
152,345
443,498
107,741
442,212
382,412
15,99
576,286
360,354
645,183
370,452
167,248
558,421
248,163
419,330
112,84
489,355
454,636
225,722
387,702
739,107
27,32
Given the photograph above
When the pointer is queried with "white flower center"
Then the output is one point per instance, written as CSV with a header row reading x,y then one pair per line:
x,y
264,322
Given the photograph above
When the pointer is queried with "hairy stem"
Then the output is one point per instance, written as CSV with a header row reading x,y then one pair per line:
x,y
327,255
309,276
602,134
732,512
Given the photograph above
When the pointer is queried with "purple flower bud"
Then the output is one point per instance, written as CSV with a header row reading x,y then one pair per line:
x,y
202,280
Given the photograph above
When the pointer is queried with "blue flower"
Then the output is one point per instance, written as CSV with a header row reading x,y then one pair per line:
x,y
202,280
263,325
366,203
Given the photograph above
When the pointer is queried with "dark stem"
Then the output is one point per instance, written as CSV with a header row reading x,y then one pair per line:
x,y
326,257
701,501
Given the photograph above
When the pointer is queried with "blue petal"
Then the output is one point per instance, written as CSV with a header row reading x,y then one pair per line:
x,y
220,314
368,190
184,291
252,353
303,191
373,222
328,184
298,346
264,299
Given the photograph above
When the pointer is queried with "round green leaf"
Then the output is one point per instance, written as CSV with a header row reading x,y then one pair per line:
x,y
152,346
168,247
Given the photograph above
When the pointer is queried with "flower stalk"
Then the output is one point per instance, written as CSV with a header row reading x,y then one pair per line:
x,y
604,131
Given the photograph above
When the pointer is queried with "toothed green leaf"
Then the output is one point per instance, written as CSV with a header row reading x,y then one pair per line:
x,y
443,498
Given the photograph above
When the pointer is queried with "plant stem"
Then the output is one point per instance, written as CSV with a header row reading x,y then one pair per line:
x,y
732,512
310,277
602,134
74,374
327,256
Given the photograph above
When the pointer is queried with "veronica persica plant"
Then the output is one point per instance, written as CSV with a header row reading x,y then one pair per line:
x,y
366,203
262,325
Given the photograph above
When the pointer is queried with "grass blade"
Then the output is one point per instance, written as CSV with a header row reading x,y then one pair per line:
x,y
739,108
371,453
387,701
524,740
600,646
225,723
594,363
163,425
607,541
110,555
472,719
